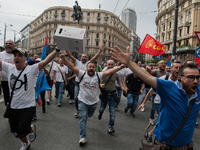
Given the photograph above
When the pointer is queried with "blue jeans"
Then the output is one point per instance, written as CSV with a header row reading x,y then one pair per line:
x,y
157,107
152,112
110,99
119,93
132,100
76,91
145,91
59,90
85,111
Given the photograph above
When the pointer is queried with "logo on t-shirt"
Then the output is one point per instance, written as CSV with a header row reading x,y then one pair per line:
x,y
197,101
88,86
19,83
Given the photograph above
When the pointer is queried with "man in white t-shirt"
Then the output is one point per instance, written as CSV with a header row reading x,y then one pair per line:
x,y
82,66
60,76
89,91
6,56
23,106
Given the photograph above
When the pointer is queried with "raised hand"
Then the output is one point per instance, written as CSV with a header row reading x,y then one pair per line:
x,y
62,56
120,56
102,47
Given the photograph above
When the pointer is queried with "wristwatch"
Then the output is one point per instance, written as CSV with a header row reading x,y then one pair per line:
x,y
58,50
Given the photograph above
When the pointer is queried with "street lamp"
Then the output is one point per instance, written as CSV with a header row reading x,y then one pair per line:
x,y
5,32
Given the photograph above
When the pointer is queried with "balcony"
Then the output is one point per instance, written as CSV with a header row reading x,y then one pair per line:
x,y
185,48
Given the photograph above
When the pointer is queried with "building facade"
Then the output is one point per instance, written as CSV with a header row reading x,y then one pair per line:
x,y
102,27
25,37
188,23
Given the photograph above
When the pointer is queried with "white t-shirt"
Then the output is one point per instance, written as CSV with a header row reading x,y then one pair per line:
x,y
89,88
6,57
104,69
129,71
122,73
24,93
58,75
157,97
49,66
80,66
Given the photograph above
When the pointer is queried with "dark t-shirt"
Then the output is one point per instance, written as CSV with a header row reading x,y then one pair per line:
x,y
133,84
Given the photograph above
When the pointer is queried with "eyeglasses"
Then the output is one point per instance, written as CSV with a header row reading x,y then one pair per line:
x,y
192,77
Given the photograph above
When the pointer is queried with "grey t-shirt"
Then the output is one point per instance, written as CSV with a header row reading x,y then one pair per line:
x,y
158,73
110,86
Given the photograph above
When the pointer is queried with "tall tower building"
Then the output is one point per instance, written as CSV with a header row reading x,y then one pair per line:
x,y
129,18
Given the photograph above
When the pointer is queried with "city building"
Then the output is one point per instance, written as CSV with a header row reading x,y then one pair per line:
x,y
102,27
25,37
129,18
188,23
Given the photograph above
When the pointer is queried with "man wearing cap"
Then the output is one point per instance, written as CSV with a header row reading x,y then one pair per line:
x,y
23,106
6,56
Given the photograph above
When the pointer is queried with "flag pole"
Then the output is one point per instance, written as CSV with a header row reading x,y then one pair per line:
x,y
175,32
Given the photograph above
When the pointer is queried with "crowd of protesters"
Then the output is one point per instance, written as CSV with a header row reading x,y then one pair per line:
x,y
87,82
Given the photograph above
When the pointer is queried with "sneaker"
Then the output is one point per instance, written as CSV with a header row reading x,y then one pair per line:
x,y
76,114
111,130
59,105
48,102
116,108
34,117
82,141
43,109
132,115
32,136
25,146
142,109
100,116
197,123
70,101
126,109
151,121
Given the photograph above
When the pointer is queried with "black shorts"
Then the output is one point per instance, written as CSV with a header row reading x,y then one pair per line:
x,y
20,121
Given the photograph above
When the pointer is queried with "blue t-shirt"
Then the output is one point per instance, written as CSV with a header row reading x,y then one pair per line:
x,y
174,106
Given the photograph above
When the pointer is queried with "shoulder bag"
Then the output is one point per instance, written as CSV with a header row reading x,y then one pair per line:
x,y
48,75
62,76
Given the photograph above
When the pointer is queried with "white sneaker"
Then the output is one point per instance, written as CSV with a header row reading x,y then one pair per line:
x,y
32,136
70,101
142,109
151,121
82,141
48,101
76,114
25,146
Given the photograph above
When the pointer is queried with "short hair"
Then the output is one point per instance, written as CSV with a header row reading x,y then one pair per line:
x,y
91,63
191,66
185,62
177,62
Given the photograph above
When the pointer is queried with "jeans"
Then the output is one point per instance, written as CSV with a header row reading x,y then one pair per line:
x,y
145,91
119,93
59,90
132,100
110,99
76,91
157,107
152,112
85,111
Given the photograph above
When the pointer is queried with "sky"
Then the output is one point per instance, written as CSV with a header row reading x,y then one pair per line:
x,y
19,13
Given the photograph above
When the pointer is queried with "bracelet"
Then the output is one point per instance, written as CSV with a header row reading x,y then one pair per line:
x,y
58,50
119,67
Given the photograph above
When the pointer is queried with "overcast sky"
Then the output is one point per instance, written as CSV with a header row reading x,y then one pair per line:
x,y
10,8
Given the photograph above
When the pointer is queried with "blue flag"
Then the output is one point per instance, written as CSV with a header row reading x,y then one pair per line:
x,y
168,61
41,84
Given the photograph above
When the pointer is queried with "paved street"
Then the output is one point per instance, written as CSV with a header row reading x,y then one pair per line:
x,y
58,129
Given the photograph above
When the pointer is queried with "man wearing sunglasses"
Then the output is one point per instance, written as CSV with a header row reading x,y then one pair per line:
x,y
175,101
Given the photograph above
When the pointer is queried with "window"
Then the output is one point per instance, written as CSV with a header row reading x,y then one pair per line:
x,y
63,12
87,42
97,50
170,25
109,44
186,43
88,20
97,35
169,36
181,20
99,15
55,25
190,2
106,22
109,37
111,23
97,43
86,50
188,29
63,18
88,14
180,32
49,25
98,20
87,35
49,33
56,18
98,28
163,38
87,27
49,40
104,36
189,15
105,29
55,11
50,11
164,27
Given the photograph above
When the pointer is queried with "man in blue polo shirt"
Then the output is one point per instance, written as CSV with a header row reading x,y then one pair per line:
x,y
175,101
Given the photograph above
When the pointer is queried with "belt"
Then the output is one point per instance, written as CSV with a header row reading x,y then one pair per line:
x,y
168,147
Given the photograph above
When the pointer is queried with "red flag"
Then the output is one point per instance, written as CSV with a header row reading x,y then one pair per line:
x,y
198,61
151,46
39,102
